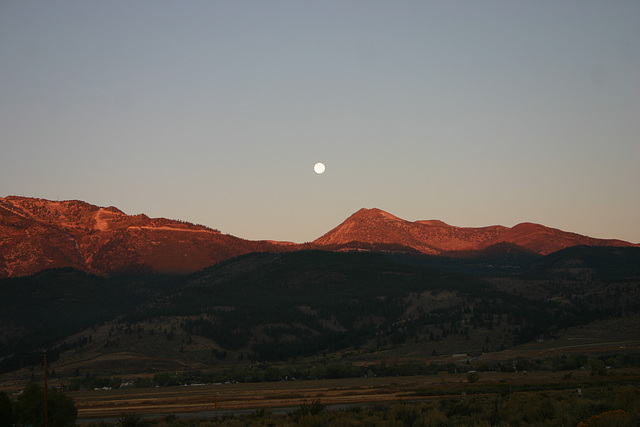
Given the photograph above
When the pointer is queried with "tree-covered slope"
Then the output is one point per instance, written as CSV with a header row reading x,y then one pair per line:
x,y
277,306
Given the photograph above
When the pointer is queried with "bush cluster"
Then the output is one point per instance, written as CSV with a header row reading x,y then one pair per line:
x,y
29,408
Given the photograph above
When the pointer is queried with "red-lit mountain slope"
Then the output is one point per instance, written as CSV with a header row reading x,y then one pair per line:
x,y
369,227
37,234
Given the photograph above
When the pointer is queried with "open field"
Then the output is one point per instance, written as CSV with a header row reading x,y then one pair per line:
x,y
239,398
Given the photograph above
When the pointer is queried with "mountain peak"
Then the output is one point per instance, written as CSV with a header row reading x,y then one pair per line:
x,y
374,213
377,228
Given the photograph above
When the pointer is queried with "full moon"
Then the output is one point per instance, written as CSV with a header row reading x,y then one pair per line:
x,y
318,168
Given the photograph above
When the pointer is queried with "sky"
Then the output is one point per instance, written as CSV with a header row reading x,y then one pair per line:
x,y
215,112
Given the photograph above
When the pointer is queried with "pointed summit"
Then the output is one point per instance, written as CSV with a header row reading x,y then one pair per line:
x,y
374,213
375,228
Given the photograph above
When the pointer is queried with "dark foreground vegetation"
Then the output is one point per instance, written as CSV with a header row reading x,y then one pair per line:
x,y
28,409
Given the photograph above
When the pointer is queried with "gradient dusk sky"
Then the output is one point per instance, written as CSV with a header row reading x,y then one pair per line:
x,y
215,112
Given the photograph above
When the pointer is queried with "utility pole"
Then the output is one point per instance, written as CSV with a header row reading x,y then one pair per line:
x,y
46,415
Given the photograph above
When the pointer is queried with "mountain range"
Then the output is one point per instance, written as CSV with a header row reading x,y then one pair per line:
x,y
38,234
374,289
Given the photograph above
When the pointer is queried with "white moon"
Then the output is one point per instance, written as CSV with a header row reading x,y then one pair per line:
x,y
318,168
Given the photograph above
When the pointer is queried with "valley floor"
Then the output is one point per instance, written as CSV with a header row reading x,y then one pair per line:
x,y
210,401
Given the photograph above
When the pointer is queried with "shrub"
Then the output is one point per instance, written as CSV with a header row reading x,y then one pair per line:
x,y
131,420
29,408
6,412
473,376
617,418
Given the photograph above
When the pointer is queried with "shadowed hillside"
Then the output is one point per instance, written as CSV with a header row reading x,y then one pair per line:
x,y
286,306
